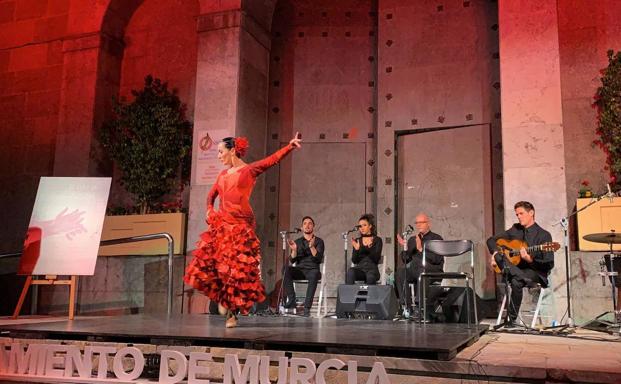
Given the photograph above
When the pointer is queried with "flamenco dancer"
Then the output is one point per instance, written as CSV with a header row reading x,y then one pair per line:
x,y
226,263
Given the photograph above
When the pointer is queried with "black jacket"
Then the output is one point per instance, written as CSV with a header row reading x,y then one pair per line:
x,y
367,258
304,258
434,263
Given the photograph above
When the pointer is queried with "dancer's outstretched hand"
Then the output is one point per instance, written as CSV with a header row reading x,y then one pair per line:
x,y
296,141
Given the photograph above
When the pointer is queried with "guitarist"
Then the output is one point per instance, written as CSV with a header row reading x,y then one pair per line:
x,y
533,268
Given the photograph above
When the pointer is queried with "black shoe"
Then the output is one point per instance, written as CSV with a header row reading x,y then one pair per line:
x,y
290,303
511,324
306,312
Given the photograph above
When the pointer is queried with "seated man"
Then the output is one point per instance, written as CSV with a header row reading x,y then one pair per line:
x,y
413,259
307,255
533,268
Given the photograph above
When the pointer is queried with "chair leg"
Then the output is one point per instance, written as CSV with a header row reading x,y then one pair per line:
x,y
468,300
537,308
502,308
474,301
321,298
422,298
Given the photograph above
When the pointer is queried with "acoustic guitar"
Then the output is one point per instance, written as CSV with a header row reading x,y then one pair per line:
x,y
510,249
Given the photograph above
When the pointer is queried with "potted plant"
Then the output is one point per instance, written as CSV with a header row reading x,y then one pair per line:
x,y
149,139
585,189
608,104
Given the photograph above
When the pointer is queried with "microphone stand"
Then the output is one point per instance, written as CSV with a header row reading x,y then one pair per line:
x,y
406,311
285,265
564,222
346,245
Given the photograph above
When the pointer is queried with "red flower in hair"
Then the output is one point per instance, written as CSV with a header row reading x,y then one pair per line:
x,y
241,146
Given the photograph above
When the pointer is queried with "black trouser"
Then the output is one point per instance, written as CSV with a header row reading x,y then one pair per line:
x,y
411,274
355,273
518,276
295,273
405,276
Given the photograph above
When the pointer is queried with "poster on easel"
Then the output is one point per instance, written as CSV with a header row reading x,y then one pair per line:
x,y
65,226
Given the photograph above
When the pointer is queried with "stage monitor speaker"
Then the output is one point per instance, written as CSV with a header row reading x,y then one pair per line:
x,y
377,302
448,305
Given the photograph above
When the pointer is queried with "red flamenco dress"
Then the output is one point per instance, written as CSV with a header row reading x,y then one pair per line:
x,y
227,260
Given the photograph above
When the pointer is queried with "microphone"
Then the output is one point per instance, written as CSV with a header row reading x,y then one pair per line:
x,y
354,229
610,195
297,230
409,228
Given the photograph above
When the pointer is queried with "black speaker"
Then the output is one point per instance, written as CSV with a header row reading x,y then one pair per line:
x,y
448,304
377,302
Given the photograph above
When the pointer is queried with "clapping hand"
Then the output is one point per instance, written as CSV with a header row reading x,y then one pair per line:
x,y
355,244
294,248
401,240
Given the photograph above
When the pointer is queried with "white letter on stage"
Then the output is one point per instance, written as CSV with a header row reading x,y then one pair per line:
x,y
264,370
119,372
232,370
283,365
52,360
324,366
194,369
102,367
182,367
378,374
296,376
20,362
4,359
352,372
75,361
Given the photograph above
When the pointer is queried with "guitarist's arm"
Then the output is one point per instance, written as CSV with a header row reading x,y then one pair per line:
x,y
491,242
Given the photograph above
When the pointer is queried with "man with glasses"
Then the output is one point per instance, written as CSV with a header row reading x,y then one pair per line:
x,y
413,259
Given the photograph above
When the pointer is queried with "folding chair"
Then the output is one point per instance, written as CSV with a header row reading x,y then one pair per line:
x,y
448,248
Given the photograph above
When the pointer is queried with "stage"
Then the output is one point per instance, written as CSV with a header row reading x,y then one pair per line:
x,y
409,352
346,336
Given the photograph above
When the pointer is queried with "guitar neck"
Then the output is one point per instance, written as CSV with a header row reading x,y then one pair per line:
x,y
528,249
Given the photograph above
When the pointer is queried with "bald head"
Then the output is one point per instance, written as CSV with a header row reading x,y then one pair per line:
x,y
422,222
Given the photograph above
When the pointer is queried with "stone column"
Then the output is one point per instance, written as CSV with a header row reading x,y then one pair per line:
x,y
86,59
231,92
532,123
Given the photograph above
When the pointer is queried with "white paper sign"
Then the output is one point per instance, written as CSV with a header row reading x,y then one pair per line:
x,y
207,165
65,227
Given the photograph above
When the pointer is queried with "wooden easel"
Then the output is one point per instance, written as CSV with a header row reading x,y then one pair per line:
x,y
49,280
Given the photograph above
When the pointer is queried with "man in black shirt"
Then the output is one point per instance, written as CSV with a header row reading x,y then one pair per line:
x,y
307,256
413,259
533,268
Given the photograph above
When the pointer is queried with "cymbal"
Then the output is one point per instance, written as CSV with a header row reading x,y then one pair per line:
x,y
607,238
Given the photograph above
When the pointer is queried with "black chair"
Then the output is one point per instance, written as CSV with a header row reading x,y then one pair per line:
x,y
448,248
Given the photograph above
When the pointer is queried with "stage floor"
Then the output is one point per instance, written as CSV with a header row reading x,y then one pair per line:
x,y
356,337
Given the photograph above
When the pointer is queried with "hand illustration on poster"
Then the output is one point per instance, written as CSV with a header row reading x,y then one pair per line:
x,y
65,227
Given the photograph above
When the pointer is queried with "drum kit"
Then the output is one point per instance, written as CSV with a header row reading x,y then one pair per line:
x,y
608,321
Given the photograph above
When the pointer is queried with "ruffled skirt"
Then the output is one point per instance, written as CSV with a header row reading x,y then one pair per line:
x,y
226,264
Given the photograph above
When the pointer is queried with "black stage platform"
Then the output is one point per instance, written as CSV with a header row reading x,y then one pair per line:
x,y
343,336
